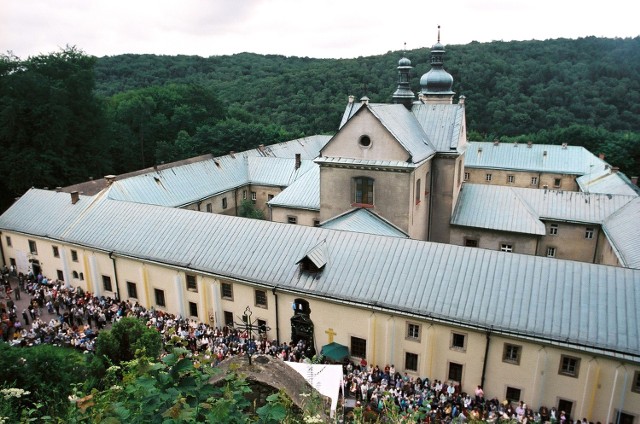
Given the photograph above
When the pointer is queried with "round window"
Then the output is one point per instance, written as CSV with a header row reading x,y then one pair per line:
x,y
365,141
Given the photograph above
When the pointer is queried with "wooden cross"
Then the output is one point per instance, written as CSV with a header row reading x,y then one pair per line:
x,y
330,333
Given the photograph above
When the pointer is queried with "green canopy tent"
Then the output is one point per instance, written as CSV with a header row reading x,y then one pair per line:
x,y
335,351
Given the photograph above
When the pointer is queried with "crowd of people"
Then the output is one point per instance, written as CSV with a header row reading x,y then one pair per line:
x,y
72,317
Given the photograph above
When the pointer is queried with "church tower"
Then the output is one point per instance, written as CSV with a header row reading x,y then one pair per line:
x,y
403,94
436,85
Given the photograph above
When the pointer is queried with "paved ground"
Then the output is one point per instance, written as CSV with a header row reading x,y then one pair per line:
x,y
24,302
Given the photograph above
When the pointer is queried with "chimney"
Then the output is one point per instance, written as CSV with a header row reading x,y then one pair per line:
x,y
515,144
529,143
261,147
564,145
75,196
351,99
298,161
58,189
364,100
601,156
544,153
232,154
110,179
496,142
461,100
155,167
634,181
614,169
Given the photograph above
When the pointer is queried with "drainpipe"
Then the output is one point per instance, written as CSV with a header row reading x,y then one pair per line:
x,y
115,273
2,250
486,355
431,177
624,393
275,295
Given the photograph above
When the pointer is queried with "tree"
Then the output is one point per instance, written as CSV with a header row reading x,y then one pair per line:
x,y
51,122
128,338
248,209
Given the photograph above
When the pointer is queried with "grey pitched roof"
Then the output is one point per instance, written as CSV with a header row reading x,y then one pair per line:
x,y
307,147
607,182
574,160
623,231
588,307
521,209
443,124
366,162
276,171
303,193
362,220
405,128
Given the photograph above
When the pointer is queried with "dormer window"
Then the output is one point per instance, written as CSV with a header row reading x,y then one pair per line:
x,y
314,260
365,141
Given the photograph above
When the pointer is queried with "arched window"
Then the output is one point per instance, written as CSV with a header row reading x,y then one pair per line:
x,y
301,306
364,190
75,274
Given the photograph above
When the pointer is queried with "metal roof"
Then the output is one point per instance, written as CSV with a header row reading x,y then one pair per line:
x,y
366,162
443,124
404,127
573,160
276,171
521,209
182,185
607,182
623,231
592,308
303,193
362,220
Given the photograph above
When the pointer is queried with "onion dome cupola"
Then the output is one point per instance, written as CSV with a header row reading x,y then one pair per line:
x,y
403,94
436,85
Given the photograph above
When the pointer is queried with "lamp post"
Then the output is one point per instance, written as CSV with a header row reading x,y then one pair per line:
x,y
251,326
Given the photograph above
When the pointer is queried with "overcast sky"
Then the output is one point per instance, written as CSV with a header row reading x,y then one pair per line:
x,y
321,28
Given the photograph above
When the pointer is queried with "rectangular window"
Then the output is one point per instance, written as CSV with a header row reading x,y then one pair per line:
x,y
33,248
209,208
364,191
413,331
159,294
269,197
224,203
292,219
74,255
192,283
511,179
228,319
553,230
12,261
551,252
458,341
8,239
316,222
56,251
106,283
132,290
569,365
358,347
418,192
506,247
471,242
513,394
60,274
410,361
556,182
487,177
426,184
511,354
534,181
254,196
261,298
193,309
635,384
588,234
467,176
455,372
226,291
